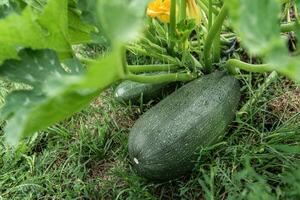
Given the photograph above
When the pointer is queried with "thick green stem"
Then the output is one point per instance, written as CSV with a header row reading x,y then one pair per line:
x,y
124,59
182,10
233,64
213,32
172,29
161,78
151,68
217,48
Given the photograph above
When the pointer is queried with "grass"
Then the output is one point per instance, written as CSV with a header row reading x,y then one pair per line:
x,y
85,157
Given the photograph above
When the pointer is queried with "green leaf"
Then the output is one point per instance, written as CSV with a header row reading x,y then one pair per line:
x,y
121,20
79,32
29,29
256,22
89,14
56,90
55,20
34,68
280,60
7,52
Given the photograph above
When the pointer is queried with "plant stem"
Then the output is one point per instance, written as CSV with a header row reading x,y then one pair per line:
x,y
203,7
214,10
124,60
151,68
215,29
182,10
217,47
210,14
161,78
233,64
247,107
172,29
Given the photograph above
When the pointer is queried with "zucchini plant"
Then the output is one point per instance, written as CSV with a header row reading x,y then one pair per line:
x,y
37,36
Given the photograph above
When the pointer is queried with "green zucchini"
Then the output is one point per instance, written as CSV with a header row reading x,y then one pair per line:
x,y
134,91
164,140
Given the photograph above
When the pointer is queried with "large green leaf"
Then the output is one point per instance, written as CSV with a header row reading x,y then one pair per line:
x,y
280,60
79,32
89,11
55,91
121,20
7,52
116,20
37,31
54,20
256,22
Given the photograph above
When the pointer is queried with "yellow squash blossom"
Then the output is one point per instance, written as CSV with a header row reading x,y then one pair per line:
x,y
160,9
193,11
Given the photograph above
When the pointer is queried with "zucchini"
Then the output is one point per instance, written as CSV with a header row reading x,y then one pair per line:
x,y
134,91
164,141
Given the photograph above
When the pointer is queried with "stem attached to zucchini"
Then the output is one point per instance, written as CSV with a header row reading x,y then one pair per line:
x,y
151,68
161,78
213,32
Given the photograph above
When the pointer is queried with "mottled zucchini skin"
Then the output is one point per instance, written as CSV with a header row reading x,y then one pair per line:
x,y
133,91
163,141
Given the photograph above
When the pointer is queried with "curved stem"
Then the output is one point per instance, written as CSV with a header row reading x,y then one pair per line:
x,y
232,64
211,36
161,78
151,68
